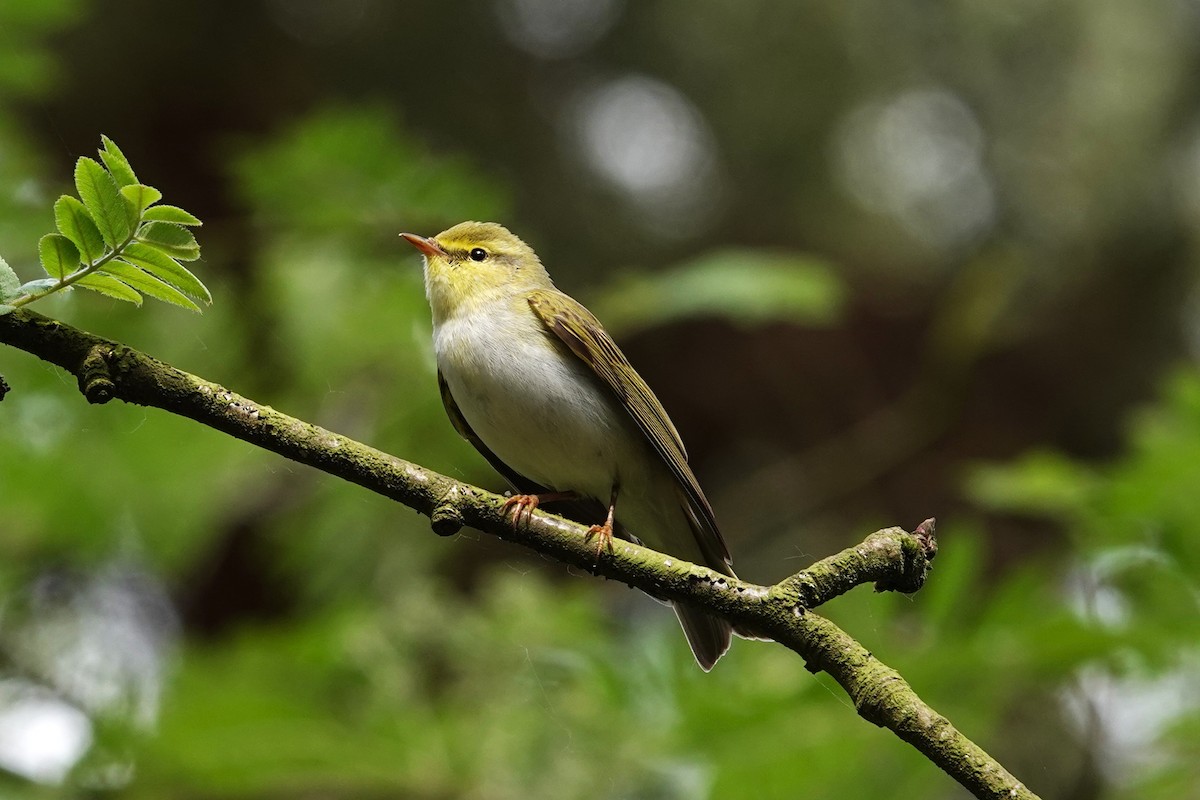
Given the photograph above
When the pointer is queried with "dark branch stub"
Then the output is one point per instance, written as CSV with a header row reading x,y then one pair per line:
x,y
446,518
927,533
95,377
4,387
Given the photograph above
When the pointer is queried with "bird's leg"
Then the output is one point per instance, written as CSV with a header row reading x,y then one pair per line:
x,y
604,533
526,503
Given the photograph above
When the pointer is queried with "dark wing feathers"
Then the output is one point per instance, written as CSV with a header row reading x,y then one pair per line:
x,y
583,334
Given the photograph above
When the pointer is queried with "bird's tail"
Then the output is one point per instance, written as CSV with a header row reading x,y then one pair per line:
x,y
708,636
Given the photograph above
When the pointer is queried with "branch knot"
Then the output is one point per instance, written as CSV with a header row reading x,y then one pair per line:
x,y
446,518
95,375
917,552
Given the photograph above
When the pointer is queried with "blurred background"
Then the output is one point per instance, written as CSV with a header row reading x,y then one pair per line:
x,y
881,261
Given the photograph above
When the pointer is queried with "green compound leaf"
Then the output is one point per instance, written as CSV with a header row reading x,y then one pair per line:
x,y
113,240
166,269
148,284
117,163
74,222
59,255
10,284
107,285
171,214
111,212
141,196
174,240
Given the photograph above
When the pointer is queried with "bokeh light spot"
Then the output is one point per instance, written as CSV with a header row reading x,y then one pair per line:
x,y
553,29
918,158
650,142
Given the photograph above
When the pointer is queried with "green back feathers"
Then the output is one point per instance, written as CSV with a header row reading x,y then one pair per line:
x,y
583,334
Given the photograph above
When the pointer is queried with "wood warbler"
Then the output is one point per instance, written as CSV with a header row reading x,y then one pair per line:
x,y
532,380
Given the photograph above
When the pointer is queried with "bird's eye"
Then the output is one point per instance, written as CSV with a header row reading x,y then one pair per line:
x,y
478,254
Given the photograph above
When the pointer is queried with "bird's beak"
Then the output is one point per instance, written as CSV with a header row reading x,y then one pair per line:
x,y
429,247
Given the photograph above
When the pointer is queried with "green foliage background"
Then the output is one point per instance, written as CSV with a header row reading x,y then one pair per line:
x,y
219,623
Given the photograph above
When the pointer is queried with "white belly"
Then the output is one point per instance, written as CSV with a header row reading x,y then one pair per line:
x,y
544,413
541,413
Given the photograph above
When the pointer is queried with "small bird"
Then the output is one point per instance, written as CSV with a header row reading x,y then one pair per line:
x,y
532,380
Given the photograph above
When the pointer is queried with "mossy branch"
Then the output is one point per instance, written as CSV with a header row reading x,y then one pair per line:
x,y
892,559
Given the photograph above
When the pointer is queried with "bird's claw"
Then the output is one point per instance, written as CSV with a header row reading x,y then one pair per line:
x,y
525,505
604,537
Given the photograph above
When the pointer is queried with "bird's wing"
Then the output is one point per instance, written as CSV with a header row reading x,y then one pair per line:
x,y
583,334
515,479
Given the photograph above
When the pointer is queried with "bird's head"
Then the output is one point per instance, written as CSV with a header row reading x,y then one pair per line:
x,y
476,262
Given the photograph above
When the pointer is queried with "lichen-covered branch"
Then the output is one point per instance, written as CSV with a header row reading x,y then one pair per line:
x,y
892,559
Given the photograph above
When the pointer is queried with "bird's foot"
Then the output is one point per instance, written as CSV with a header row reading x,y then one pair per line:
x,y
526,503
603,535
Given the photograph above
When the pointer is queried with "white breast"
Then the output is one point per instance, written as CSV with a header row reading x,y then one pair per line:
x,y
539,409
